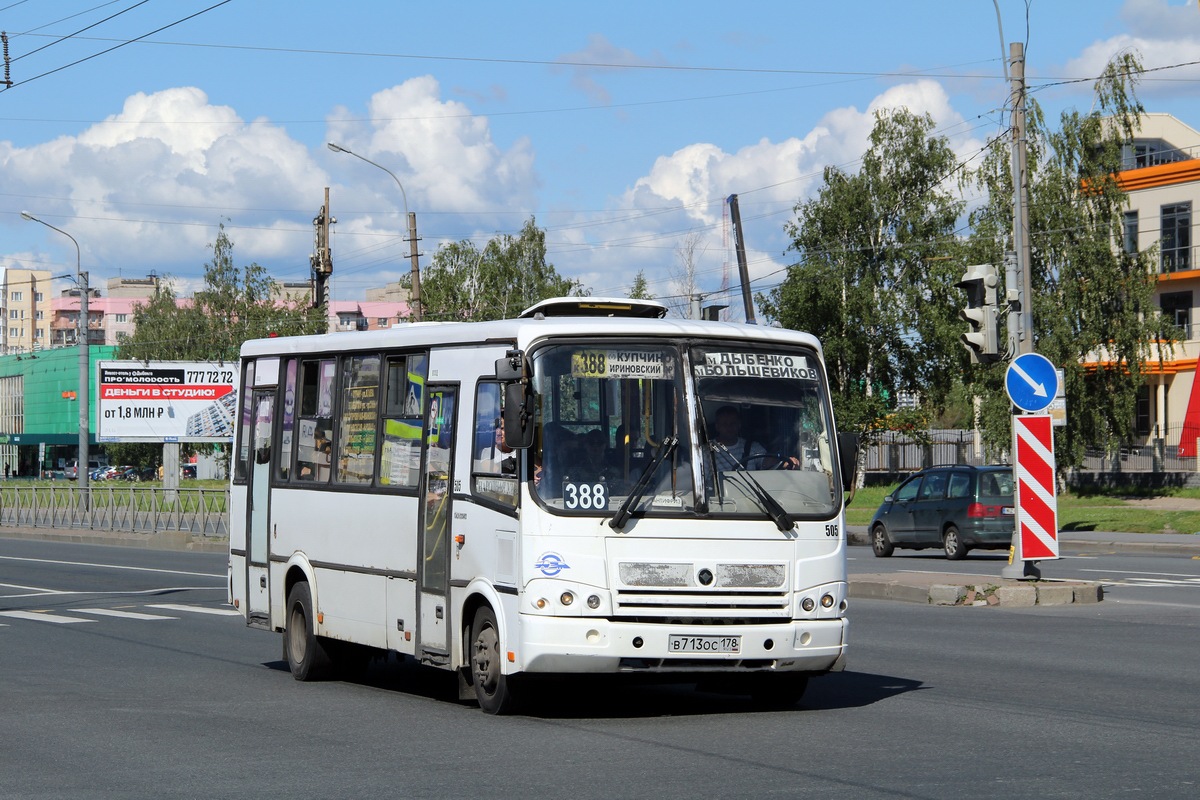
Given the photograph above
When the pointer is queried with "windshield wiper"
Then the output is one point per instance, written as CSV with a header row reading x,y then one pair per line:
x,y
643,482
768,504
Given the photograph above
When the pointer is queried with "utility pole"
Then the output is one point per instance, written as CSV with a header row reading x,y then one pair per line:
x,y
1017,566
739,242
322,259
415,298
1020,177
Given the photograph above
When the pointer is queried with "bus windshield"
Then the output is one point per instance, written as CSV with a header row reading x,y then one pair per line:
x,y
748,435
765,431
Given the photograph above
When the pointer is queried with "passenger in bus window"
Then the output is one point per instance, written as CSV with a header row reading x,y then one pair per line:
x,y
497,457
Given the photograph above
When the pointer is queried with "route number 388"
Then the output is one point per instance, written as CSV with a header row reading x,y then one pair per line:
x,y
585,496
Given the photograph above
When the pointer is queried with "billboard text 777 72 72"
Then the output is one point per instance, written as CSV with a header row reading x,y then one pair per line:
x,y
165,401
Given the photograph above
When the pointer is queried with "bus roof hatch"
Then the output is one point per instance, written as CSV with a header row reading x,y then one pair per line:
x,y
595,307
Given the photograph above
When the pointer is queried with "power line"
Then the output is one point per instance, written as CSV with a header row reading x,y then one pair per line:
x,y
122,43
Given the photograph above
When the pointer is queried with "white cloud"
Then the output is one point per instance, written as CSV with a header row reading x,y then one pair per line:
x,y
444,157
769,178
1163,34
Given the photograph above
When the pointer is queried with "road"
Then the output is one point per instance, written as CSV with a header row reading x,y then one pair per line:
x,y
150,690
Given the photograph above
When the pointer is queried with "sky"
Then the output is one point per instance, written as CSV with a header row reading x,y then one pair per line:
x,y
140,126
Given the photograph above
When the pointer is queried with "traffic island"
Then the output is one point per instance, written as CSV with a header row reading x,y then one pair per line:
x,y
946,590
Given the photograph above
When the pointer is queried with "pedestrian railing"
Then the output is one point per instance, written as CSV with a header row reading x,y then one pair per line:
x,y
137,509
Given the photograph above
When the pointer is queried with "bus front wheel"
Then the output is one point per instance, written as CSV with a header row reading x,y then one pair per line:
x,y
493,689
304,651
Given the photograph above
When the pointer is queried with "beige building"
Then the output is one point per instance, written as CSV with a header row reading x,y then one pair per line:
x,y
26,309
1162,179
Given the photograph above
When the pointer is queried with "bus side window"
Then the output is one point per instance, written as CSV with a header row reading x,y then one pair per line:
x,y
287,436
404,396
494,463
358,415
314,429
241,463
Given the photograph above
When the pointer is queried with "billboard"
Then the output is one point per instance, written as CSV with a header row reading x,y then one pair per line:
x,y
165,401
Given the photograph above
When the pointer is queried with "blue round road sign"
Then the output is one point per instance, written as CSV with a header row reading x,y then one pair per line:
x,y
1031,382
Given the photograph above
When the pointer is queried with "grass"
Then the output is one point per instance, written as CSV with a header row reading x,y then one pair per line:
x,y
1076,512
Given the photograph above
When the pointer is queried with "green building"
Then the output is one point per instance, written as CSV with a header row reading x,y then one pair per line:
x,y
39,408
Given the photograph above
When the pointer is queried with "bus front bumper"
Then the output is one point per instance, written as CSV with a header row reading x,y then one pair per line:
x,y
575,645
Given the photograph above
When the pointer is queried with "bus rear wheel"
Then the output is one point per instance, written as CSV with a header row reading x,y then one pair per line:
x,y
305,653
493,689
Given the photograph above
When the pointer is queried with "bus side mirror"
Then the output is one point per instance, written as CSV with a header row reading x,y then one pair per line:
x,y
848,457
511,367
518,415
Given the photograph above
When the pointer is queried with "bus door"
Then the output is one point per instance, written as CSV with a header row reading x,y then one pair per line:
x,y
258,478
436,493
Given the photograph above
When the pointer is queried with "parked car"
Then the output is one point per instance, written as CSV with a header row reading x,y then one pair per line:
x,y
188,471
957,508
71,471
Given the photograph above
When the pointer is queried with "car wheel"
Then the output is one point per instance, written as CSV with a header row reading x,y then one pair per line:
x,y
880,542
953,544
304,650
493,689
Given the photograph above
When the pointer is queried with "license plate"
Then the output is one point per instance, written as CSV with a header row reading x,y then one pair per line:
x,y
678,643
1007,511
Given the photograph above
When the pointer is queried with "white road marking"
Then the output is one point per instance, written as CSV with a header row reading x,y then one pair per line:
x,y
220,575
39,616
112,612
224,612
36,591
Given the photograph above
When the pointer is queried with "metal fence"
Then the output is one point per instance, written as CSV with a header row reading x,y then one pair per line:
x,y
127,508
898,453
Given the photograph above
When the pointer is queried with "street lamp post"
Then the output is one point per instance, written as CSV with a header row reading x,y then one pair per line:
x,y
81,470
412,229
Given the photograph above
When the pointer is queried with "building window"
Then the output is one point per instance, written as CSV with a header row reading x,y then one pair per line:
x,y
1131,232
14,332
122,318
1177,308
17,296
39,315
13,314
38,297
1176,237
1141,415
37,333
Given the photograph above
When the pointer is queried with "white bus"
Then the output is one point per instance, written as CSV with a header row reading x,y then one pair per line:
x,y
588,488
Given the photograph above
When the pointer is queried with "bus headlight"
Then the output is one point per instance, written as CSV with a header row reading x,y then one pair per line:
x,y
593,601
826,601
566,598
808,604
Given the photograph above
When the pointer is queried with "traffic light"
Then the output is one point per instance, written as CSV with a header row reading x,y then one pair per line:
x,y
981,339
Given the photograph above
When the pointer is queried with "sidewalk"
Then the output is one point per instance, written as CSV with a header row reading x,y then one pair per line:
x,y
972,590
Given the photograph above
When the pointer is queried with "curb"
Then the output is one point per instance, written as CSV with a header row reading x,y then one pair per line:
x,y
152,540
1008,593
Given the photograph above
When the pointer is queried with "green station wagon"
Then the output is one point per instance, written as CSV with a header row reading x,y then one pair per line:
x,y
957,508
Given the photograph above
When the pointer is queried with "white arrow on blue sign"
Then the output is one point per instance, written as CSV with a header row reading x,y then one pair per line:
x,y
1031,382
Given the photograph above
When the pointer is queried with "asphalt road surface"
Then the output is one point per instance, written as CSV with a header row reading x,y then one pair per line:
x,y
122,674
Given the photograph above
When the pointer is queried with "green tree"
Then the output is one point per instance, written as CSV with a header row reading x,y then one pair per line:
x,y
878,262
1092,301
234,305
640,290
507,276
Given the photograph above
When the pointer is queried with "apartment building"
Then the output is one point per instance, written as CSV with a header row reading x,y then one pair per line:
x,y
1162,179
26,310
